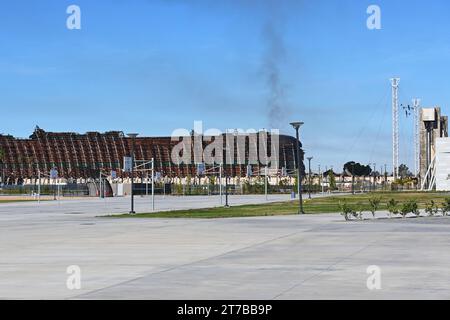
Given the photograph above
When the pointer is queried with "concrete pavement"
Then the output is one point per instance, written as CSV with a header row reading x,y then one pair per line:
x,y
293,257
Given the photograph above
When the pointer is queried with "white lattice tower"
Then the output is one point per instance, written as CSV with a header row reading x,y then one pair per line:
x,y
395,136
416,106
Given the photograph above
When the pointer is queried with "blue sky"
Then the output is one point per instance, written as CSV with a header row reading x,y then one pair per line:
x,y
154,66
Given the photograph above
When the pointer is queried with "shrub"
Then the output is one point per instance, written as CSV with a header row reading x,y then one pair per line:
x,y
374,205
445,207
429,208
435,209
410,207
414,207
392,206
346,210
358,214
405,209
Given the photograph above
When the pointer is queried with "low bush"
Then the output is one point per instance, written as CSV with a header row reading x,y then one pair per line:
x,y
431,208
409,207
445,207
346,210
414,207
392,206
374,205
358,214
405,209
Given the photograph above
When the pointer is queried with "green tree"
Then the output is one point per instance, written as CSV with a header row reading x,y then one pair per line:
x,y
332,180
404,172
357,169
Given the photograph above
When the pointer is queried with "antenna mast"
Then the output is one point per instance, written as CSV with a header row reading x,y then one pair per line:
x,y
416,106
395,165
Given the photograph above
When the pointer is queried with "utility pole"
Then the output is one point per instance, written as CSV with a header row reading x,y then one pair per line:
x,y
296,126
374,176
220,183
146,183
395,132
385,176
265,181
332,172
309,174
39,186
226,177
321,178
153,184
133,138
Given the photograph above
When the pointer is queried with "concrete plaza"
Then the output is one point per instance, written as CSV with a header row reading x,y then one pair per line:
x,y
291,257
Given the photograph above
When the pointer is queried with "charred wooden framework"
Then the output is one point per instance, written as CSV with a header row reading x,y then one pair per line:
x,y
83,155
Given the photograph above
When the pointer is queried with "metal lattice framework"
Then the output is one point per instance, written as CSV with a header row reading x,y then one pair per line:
x,y
416,107
83,155
395,132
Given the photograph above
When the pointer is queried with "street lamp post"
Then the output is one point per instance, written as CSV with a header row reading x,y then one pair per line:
x,y
226,178
296,126
374,177
226,191
133,138
309,173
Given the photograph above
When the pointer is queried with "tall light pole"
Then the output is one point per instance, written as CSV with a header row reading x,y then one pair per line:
x,y
309,173
321,178
226,177
133,139
296,126
374,176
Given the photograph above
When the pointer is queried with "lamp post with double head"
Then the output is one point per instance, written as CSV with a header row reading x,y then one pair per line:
x,y
296,126
133,139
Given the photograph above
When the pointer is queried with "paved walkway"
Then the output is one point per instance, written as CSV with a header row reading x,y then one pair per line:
x,y
293,257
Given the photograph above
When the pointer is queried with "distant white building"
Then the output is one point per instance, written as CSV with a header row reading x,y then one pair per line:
x,y
442,164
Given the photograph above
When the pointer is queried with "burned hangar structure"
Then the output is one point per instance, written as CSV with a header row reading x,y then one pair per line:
x,y
83,156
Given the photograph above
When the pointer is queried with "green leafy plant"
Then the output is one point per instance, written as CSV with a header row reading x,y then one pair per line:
x,y
435,209
374,205
346,210
445,207
414,207
429,208
358,214
392,206
405,209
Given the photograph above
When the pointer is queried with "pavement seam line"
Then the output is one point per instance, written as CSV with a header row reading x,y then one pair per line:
x,y
328,268
192,263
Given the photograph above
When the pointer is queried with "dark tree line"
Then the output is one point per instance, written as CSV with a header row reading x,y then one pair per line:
x,y
357,169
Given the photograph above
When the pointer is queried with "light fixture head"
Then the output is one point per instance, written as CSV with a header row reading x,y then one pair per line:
x,y
297,125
